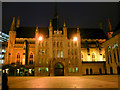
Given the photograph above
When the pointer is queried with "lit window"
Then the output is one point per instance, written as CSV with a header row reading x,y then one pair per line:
x,y
3,50
109,48
31,59
73,70
46,69
69,69
61,54
39,70
76,69
18,58
93,57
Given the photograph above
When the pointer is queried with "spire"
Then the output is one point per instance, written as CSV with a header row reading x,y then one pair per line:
x,y
100,25
13,25
50,25
18,22
78,29
55,11
109,25
64,24
36,28
55,22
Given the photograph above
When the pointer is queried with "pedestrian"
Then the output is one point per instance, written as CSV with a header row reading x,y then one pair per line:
x,y
4,81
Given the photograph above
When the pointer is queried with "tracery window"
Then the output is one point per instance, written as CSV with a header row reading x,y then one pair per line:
x,y
31,59
93,57
18,58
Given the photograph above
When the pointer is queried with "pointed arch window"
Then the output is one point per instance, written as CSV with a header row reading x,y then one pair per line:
x,y
31,59
18,58
82,56
93,57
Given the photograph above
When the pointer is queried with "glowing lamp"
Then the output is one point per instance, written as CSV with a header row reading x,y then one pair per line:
x,y
40,38
75,39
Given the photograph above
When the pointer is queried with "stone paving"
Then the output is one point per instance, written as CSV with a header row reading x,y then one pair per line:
x,y
98,81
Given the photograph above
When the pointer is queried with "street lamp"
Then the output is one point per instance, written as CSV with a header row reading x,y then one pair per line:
x,y
40,38
75,39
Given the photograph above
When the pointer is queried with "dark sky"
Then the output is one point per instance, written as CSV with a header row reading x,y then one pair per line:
x,y
84,14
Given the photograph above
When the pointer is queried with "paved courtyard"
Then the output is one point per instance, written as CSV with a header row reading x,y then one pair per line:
x,y
98,81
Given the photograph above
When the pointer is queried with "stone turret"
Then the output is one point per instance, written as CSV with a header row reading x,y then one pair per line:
x,y
18,22
13,25
64,29
50,29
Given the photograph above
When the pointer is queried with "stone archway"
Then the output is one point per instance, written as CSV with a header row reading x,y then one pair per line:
x,y
118,70
58,69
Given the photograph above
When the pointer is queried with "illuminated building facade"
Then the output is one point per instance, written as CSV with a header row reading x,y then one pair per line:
x,y
112,52
54,50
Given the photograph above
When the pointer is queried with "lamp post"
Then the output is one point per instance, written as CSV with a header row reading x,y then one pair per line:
x,y
75,39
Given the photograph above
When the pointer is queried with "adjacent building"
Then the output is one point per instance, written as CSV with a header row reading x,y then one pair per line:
x,y
112,51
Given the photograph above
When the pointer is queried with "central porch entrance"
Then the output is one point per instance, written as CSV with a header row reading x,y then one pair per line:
x,y
59,70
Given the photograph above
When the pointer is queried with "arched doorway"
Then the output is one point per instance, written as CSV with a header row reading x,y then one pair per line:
x,y
90,71
111,70
59,69
118,70
86,71
100,70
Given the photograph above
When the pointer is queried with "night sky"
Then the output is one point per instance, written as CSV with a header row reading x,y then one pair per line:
x,y
84,14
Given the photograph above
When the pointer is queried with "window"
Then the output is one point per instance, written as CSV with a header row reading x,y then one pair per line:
x,y
61,54
57,44
72,44
46,60
39,70
61,44
103,55
81,56
72,52
53,44
93,57
18,58
57,53
76,69
40,61
68,44
109,48
110,58
46,44
73,70
46,69
117,54
31,59
43,69
75,43
114,57
68,51
75,51
69,69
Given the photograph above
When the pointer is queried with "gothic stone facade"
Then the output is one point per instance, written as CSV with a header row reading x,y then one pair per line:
x,y
56,54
